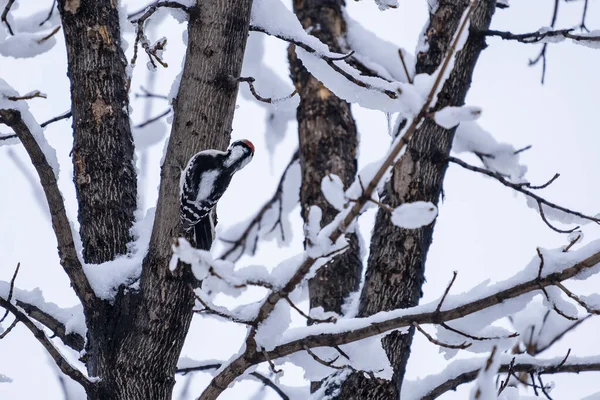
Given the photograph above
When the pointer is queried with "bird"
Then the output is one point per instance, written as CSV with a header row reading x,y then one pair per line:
x,y
203,182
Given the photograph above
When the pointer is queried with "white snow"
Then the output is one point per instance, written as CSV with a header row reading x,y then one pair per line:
x,y
4,379
414,215
106,278
271,329
498,157
485,384
72,318
333,190
25,44
449,117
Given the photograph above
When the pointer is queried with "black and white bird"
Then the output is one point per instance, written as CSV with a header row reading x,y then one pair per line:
x,y
202,184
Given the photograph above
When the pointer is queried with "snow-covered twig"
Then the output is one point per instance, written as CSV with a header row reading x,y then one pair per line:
x,y
330,60
458,376
522,188
153,51
540,35
39,334
433,340
28,96
62,228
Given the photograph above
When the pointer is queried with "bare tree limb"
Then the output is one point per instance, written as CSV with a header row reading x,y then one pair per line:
x,y
62,228
39,334
71,339
66,115
154,119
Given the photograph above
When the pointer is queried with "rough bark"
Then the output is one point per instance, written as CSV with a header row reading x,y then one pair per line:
x,y
396,266
134,343
104,173
328,140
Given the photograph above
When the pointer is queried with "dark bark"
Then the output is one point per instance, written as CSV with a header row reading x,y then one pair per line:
x,y
328,140
134,343
105,178
396,267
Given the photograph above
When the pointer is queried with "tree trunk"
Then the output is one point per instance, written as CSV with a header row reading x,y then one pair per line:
x,y
134,343
396,266
328,140
105,178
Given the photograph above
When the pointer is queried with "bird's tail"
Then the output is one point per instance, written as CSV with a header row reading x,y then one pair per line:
x,y
204,233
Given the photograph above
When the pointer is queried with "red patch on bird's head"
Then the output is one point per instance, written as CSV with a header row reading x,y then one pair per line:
x,y
249,144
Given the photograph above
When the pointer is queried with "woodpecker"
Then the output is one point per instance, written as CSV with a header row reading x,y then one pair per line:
x,y
202,184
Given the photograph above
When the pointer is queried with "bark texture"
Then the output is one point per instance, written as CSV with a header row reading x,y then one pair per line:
x,y
134,343
328,140
105,178
396,266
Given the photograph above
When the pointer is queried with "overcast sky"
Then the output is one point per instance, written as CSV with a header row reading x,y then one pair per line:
x,y
484,231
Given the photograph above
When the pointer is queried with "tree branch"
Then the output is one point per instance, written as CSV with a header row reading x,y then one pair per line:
x,y
519,187
538,36
71,339
257,220
60,223
532,368
363,328
240,364
39,334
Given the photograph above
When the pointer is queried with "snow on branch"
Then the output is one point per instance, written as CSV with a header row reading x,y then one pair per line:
x,y
16,115
547,35
465,371
67,324
65,367
330,240
368,91
546,208
154,51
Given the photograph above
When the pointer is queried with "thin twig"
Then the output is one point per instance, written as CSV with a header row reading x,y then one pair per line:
x,y
66,115
4,18
318,359
433,340
310,319
11,289
403,61
10,328
49,13
154,119
250,81
563,333
48,36
439,306
521,188
257,220
28,96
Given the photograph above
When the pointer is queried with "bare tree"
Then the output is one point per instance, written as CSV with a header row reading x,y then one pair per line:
x,y
131,343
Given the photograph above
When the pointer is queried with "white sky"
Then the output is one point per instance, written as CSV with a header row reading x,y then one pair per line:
x,y
483,231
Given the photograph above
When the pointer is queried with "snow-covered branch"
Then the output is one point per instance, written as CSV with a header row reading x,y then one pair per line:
x,y
463,371
29,132
543,205
39,334
545,35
